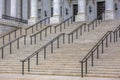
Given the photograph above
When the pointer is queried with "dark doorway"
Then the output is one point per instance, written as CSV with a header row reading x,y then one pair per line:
x,y
75,11
100,9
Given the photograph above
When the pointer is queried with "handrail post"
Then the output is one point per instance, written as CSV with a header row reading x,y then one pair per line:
x,y
81,30
72,37
51,47
102,47
58,42
25,40
44,52
22,67
86,66
110,37
119,32
3,40
10,48
2,53
116,36
97,52
106,41
92,61
81,69
35,39
18,44
63,38
37,59
28,65
69,38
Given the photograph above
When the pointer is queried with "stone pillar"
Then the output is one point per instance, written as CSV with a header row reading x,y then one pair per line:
x,y
1,8
56,12
34,12
109,10
81,16
13,9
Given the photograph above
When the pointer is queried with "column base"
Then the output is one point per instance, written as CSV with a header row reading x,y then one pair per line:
x,y
55,20
80,17
109,15
32,20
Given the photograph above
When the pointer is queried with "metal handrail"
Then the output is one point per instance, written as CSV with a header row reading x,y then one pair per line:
x,y
9,34
10,43
40,32
36,53
96,48
14,19
91,52
68,20
36,24
76,31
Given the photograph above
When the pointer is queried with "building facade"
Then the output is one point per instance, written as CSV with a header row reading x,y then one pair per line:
x,y
59,10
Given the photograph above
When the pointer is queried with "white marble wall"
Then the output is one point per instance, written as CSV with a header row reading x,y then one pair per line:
x,y
1,8
110,10
13,9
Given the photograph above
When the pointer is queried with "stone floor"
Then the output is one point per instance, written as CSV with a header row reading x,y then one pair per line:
x,y
46,77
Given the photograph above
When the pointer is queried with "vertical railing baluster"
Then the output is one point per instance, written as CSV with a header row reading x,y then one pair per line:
x,y
3,40
10,48
102,47
2,53
37,59
106,41
98,52
69,38
22,67
63,38
82,69
44,52
86,67
18,44
28,65
92,61
72,38
51,47
58,42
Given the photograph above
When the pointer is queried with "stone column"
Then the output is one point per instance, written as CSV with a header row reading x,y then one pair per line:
x,y
56,12
109,10
1,8
81,16
13,9
34,12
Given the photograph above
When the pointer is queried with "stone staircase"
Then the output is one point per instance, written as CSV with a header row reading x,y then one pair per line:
x,y
64,60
